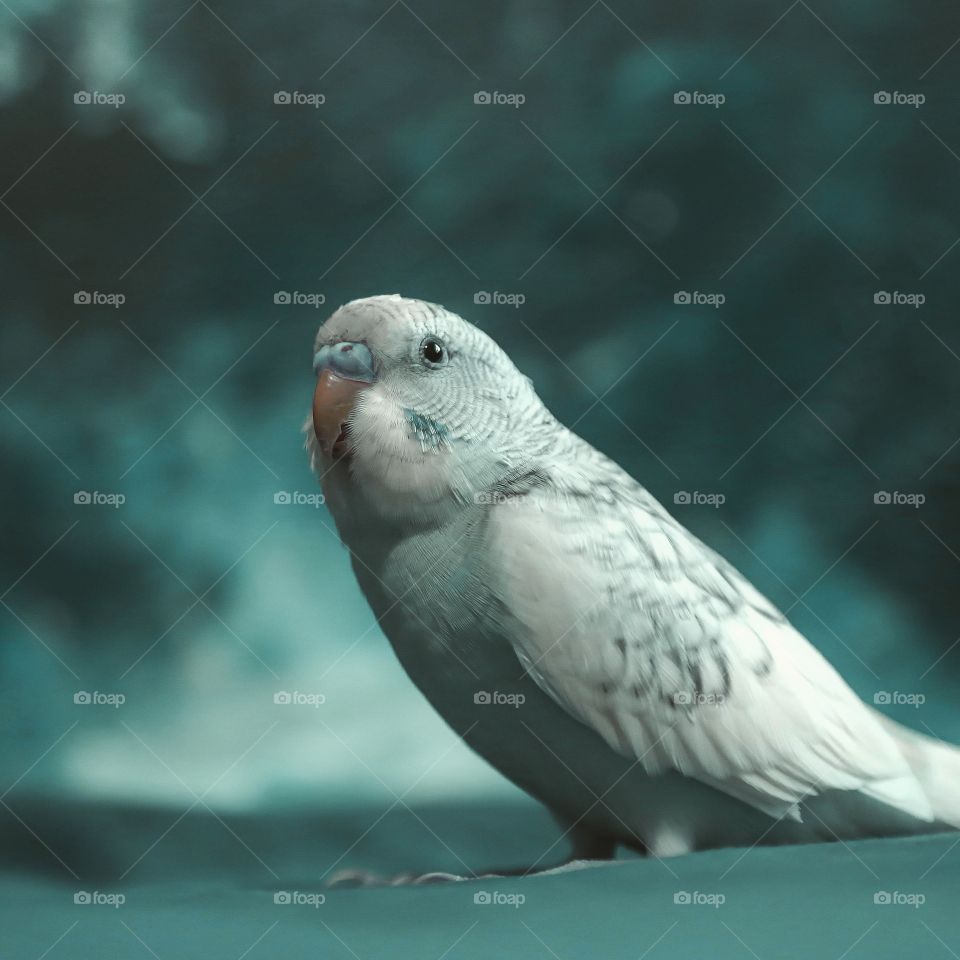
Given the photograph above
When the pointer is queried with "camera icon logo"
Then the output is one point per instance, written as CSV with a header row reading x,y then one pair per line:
x,y
82,96
82,297
282,697
882,297
482,697
682,897
82,497
882,497
681,497
882,96
682,296
481,96
282,96
282,897
681,96
482,897
282,497
81,896
282,296
81,696
882,897
882,697
481,296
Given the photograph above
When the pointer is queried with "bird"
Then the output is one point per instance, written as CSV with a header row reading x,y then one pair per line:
x,y
570,630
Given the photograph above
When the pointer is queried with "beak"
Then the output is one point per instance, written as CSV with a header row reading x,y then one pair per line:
x,y
344,370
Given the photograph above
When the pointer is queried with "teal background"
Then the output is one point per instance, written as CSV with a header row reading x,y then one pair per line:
x,y
597,201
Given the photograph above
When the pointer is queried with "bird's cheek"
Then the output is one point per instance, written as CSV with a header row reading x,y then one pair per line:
x,y
387,459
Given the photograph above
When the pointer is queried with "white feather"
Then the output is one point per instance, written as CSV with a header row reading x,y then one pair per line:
x,y
704,677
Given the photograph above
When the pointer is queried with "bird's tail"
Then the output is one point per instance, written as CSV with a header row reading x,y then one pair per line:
x,y
936,765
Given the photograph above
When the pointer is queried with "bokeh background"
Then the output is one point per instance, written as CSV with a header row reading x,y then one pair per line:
x,y
150,155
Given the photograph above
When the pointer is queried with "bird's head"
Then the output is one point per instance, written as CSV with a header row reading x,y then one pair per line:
x,y
416,409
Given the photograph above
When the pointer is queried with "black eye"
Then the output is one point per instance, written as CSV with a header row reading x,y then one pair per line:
x,y
433,351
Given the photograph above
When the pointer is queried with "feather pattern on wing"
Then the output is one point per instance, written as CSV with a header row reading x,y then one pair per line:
x,y
649,637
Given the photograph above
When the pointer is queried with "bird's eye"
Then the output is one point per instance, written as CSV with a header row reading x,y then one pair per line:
x,y
433,351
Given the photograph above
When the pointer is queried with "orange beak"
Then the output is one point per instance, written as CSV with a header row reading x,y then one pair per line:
x,y
333,402
343,369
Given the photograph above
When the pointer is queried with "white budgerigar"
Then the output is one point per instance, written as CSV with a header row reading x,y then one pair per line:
x,y
571,630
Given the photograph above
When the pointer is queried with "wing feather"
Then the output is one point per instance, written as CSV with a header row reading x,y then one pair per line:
x,y
646,635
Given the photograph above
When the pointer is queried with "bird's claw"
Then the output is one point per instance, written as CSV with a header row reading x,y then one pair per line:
x,y
367,878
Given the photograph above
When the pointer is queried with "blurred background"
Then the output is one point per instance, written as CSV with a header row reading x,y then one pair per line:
x,y
722,242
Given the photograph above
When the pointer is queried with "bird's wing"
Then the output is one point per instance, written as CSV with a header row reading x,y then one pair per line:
x,y
646,635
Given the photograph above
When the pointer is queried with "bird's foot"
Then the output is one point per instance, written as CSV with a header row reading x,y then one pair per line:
x,y
367,878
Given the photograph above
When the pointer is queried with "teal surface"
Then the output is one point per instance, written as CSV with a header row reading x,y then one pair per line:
x,y
206,890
